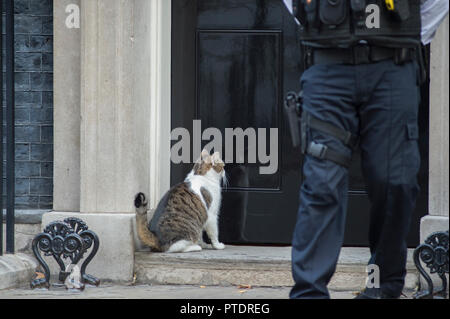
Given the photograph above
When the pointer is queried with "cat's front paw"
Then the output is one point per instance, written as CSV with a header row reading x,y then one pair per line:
x,y
218,246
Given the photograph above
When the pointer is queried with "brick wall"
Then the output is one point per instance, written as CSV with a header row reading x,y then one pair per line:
x,y
34,103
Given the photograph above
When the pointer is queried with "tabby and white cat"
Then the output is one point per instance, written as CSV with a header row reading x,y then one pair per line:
x,y
186,210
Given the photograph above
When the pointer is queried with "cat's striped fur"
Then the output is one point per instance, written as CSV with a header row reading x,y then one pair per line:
x,y
185,210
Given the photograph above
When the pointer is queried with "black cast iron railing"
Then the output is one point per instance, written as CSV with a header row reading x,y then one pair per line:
x,y
9,120
69,239
433,253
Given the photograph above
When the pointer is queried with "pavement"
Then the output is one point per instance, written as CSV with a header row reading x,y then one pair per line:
x,y
110,291
113,291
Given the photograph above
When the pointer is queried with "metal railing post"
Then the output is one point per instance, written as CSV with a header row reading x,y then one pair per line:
x,y
10,143
1,131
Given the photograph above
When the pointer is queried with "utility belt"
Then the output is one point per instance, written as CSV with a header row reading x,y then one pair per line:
x,y
359,54
300,123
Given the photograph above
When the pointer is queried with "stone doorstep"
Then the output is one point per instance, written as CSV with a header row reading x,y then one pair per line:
x,y
250,265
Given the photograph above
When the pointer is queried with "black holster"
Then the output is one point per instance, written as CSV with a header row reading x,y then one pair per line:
x,y
293,111
300,123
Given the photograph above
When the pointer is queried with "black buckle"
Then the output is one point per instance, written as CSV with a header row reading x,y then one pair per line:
x,y
349,139
361,54
317,150
402,55
322,152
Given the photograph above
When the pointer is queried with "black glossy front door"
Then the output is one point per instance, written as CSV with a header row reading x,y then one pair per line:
x,y
232,63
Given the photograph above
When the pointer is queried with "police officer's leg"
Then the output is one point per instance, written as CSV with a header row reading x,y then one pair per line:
x,y
319,231
390,162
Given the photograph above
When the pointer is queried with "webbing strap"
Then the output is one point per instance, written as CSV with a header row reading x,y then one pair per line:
x,y
345,136
322,151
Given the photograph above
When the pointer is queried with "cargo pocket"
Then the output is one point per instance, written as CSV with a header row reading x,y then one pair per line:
x,y
411,154
333,12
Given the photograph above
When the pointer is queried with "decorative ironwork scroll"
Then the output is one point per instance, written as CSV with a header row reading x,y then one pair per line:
x,y
90,239
68,239
434,254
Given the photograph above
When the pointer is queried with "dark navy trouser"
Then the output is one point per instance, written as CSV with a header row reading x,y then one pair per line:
x,y
379,102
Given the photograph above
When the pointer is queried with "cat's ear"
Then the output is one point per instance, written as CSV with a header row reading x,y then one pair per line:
x,y
216,158
205,156
205,153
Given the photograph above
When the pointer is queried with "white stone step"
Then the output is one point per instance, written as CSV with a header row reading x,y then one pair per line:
x,y
250,265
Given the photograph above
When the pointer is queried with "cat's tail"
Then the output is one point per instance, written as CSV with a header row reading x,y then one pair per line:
x,y
145,235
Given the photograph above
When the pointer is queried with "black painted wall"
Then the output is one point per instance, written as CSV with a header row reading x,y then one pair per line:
x,y
34,103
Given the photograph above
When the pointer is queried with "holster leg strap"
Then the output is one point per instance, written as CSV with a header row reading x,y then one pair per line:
x,y
322,151
344,136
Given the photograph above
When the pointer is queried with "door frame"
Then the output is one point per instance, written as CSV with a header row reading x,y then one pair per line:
x,y
160,33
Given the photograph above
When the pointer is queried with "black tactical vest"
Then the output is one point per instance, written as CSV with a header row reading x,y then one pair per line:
x,y
344,23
